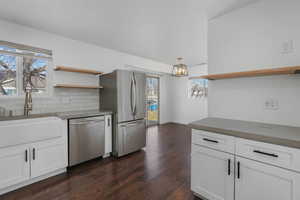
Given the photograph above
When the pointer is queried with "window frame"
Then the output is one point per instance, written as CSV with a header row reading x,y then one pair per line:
x,y
19,74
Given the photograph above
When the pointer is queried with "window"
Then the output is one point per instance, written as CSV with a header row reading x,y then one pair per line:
x,y
8,75
23,68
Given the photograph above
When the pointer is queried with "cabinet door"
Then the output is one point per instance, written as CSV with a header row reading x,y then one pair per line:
x,y
47,157
108,134
261,182
14,166
212,173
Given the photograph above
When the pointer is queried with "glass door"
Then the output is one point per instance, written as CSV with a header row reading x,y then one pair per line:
x,y
152,98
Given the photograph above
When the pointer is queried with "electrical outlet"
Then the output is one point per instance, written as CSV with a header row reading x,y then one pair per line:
x,y
287,47
271,104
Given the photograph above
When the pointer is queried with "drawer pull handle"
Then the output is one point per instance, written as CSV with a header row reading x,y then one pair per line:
x,y
229,171
238,170
33,154
209,140
26,155
266,154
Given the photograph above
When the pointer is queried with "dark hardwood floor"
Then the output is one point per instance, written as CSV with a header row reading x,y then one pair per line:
x,y
162,171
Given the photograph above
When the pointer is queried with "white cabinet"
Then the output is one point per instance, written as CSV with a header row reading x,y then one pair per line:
x,y
108,134
47,157
28,161
212,173
281,156
258,170
214,141
261,182
14,165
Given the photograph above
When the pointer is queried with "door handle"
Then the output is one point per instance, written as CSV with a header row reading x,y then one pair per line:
x,y
132,123
238,169
266,154
229,167
131,95
33,154
209,140
26,155
135,97
129,125
87,122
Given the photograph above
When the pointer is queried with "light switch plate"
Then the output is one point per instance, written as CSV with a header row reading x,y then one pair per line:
x,y
271,104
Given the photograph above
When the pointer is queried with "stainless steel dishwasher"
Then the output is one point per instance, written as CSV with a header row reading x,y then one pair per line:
x,y
86,139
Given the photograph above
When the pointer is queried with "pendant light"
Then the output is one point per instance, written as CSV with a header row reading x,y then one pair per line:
x,y
180,69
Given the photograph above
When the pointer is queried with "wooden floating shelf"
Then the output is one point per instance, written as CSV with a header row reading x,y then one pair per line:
x,y
77,86
253,73
77,70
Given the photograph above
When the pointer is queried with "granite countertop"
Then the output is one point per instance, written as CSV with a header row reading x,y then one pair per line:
x,y
62,115
270,133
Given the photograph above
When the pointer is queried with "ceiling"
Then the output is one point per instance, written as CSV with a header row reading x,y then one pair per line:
x,y
157,29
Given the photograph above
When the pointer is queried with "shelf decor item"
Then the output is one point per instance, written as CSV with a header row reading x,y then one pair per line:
x,y
180,69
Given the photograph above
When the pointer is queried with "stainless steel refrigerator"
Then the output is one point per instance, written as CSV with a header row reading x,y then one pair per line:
x,y
124,94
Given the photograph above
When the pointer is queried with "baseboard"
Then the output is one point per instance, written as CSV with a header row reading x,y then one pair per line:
x,y
198,195
181,124
31,181
106,155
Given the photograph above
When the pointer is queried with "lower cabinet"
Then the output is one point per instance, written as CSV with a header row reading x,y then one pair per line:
x,y
212,173
262,181
217,175
27,162
47,157
14,165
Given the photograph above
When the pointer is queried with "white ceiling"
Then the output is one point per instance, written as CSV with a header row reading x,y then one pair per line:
x,y
157,29
217,8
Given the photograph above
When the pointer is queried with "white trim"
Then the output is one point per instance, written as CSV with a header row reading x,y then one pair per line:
x,y
11,53
25,47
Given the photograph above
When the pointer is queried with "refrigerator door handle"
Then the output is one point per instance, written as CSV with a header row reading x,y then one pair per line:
x,y
133,123
131,95
135,96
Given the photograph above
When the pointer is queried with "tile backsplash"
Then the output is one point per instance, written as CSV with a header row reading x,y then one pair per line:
x,y
61,100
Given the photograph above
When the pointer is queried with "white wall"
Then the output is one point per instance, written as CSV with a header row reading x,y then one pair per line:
x,y
176,104
165,99
181,108
70,53
252,38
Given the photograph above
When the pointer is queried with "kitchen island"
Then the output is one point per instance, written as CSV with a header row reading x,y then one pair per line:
x,y
233,159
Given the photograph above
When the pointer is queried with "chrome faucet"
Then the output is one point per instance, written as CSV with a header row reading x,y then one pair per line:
x,y
28,102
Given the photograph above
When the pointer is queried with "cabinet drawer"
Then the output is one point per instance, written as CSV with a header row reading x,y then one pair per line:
x,y
213,140
281,156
